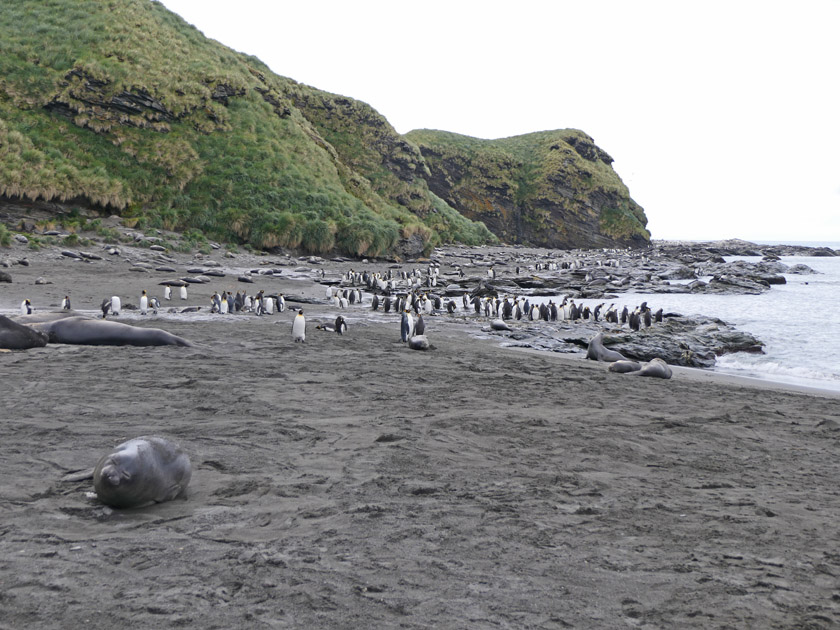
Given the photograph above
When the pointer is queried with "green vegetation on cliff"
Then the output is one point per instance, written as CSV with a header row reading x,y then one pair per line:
x,y
122,106
550,188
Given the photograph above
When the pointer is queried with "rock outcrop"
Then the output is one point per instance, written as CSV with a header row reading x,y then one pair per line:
x,y
547,189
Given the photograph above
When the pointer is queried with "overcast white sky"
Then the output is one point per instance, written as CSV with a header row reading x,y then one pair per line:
x,y
723,117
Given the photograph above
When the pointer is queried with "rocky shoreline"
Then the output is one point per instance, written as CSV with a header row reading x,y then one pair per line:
x,y
491,274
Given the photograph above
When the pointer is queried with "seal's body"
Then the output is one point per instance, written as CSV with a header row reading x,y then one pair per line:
x,y
142,471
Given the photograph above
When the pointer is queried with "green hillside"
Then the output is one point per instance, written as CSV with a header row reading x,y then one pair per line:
x,y
121,106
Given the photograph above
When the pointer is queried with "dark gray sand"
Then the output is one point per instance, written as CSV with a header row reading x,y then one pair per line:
x,y
350,482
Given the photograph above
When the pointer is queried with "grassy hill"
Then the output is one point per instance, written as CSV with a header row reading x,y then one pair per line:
x,y
121,106
550,188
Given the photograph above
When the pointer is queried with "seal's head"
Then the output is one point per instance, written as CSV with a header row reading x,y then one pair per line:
x,y
112,475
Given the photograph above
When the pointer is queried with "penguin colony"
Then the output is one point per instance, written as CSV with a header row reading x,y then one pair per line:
x,y
413,294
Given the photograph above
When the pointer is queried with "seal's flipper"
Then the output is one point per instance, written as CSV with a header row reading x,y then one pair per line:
x,y
79,475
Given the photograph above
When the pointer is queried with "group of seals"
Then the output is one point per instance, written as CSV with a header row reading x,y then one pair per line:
x,y
141,472
620,364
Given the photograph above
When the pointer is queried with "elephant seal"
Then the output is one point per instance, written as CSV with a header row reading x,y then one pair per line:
x,y
655,367
498,324
16,336
622,367
597,352
419,342
142,471
97,332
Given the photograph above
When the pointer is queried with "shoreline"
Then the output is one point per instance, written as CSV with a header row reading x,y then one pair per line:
x,y
704,375
50,258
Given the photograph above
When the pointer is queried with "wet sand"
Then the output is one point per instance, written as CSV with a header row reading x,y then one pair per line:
x,y
350,482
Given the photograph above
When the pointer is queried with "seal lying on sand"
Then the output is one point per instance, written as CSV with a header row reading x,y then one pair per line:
x,y
97,332
16,336
142,471
655,367
419,342
597,352
622,367
498,324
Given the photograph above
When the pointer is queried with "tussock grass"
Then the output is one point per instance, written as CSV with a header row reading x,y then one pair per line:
x,y
123,106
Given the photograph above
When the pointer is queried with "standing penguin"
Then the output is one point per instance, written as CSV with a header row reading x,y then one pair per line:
x,y
420,326
184,292
406,326
115,305
65,303
340,325
144,303
26,307
299,327
634,319
167,292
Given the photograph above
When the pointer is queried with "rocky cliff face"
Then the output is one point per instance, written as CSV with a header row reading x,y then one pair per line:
x,y
548,189
367,143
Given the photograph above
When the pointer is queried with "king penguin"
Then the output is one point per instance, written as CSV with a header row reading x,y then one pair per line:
x,y
340,325
144,303
115,305
299,327
184,292
167,292
406,326
65,303
26,307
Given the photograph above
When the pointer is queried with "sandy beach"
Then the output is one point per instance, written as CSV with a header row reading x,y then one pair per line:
x,y
350,482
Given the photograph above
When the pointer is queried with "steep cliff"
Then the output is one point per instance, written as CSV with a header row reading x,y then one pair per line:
x,y
550,189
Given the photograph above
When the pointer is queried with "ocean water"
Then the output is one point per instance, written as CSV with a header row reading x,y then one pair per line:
x,y
799,322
